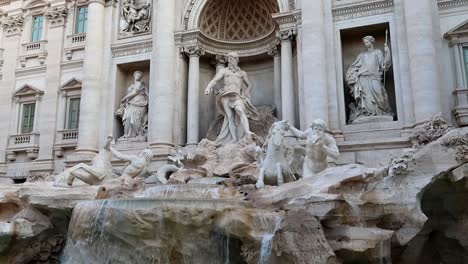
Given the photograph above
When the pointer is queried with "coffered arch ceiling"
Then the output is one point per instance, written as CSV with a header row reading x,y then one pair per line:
x,y
238,20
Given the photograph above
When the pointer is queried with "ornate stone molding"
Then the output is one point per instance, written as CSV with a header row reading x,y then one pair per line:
x,y
13,25
187,13
352,11
128,49
286,34
449,4
288,20
193,51
216,47
292,4
273,51
57,16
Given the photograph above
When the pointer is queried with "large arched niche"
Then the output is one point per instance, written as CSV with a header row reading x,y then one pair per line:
x,y
220,26
238,20
194,8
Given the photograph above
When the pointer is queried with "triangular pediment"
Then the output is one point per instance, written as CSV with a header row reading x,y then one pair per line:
x,y
35,4
73,83
459,29
27,90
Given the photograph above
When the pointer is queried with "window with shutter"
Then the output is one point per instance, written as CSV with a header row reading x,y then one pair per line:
x,y
74,113
27,124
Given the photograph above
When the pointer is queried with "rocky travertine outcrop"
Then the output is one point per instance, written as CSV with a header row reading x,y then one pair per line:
x,y
412,211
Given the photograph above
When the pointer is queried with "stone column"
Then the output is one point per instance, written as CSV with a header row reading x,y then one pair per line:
x,y
458,66
47,126
193,98
92,80
288,108
11,44
315,96
277,78
420,34
162,90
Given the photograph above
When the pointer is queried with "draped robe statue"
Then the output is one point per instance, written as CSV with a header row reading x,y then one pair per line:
x,y
134,109
364,78
233,101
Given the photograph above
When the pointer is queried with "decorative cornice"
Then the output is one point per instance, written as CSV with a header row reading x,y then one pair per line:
x,y
13,25
448,4
288,20
57,16
216,47
363,9
128,49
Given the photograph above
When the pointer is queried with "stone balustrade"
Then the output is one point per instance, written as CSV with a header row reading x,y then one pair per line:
x,y
461,107
67,137
31,50
74,42
28,143
77,39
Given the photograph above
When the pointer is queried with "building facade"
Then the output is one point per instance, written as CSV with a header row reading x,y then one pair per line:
x,y
67,65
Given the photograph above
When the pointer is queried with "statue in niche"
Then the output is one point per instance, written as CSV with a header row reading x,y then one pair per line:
x,y
135,19
134,110
366,80
319,146
233,101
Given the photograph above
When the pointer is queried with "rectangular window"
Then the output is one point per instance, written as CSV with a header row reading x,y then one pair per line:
x,y
73,113
27,124
81,19
38,23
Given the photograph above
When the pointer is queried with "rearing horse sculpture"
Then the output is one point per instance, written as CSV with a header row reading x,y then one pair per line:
x,y
275,168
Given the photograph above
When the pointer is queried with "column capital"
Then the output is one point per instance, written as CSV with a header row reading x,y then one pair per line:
x,y
286,34
193,51
57,16
13,25
273,51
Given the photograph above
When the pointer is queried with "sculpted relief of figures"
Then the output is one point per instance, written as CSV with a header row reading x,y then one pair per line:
x,y
366,80
135,17
134,110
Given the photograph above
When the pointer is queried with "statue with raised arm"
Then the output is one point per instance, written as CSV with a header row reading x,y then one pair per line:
x,y
233,101
319,146
365,78
136,166
134,109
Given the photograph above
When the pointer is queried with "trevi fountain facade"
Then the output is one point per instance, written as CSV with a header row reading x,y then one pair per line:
x,y
234,131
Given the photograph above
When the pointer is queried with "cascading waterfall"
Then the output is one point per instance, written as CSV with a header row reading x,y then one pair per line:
x,y
183,224
267,240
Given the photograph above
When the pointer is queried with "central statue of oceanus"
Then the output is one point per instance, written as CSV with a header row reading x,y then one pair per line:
x,y
233,101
